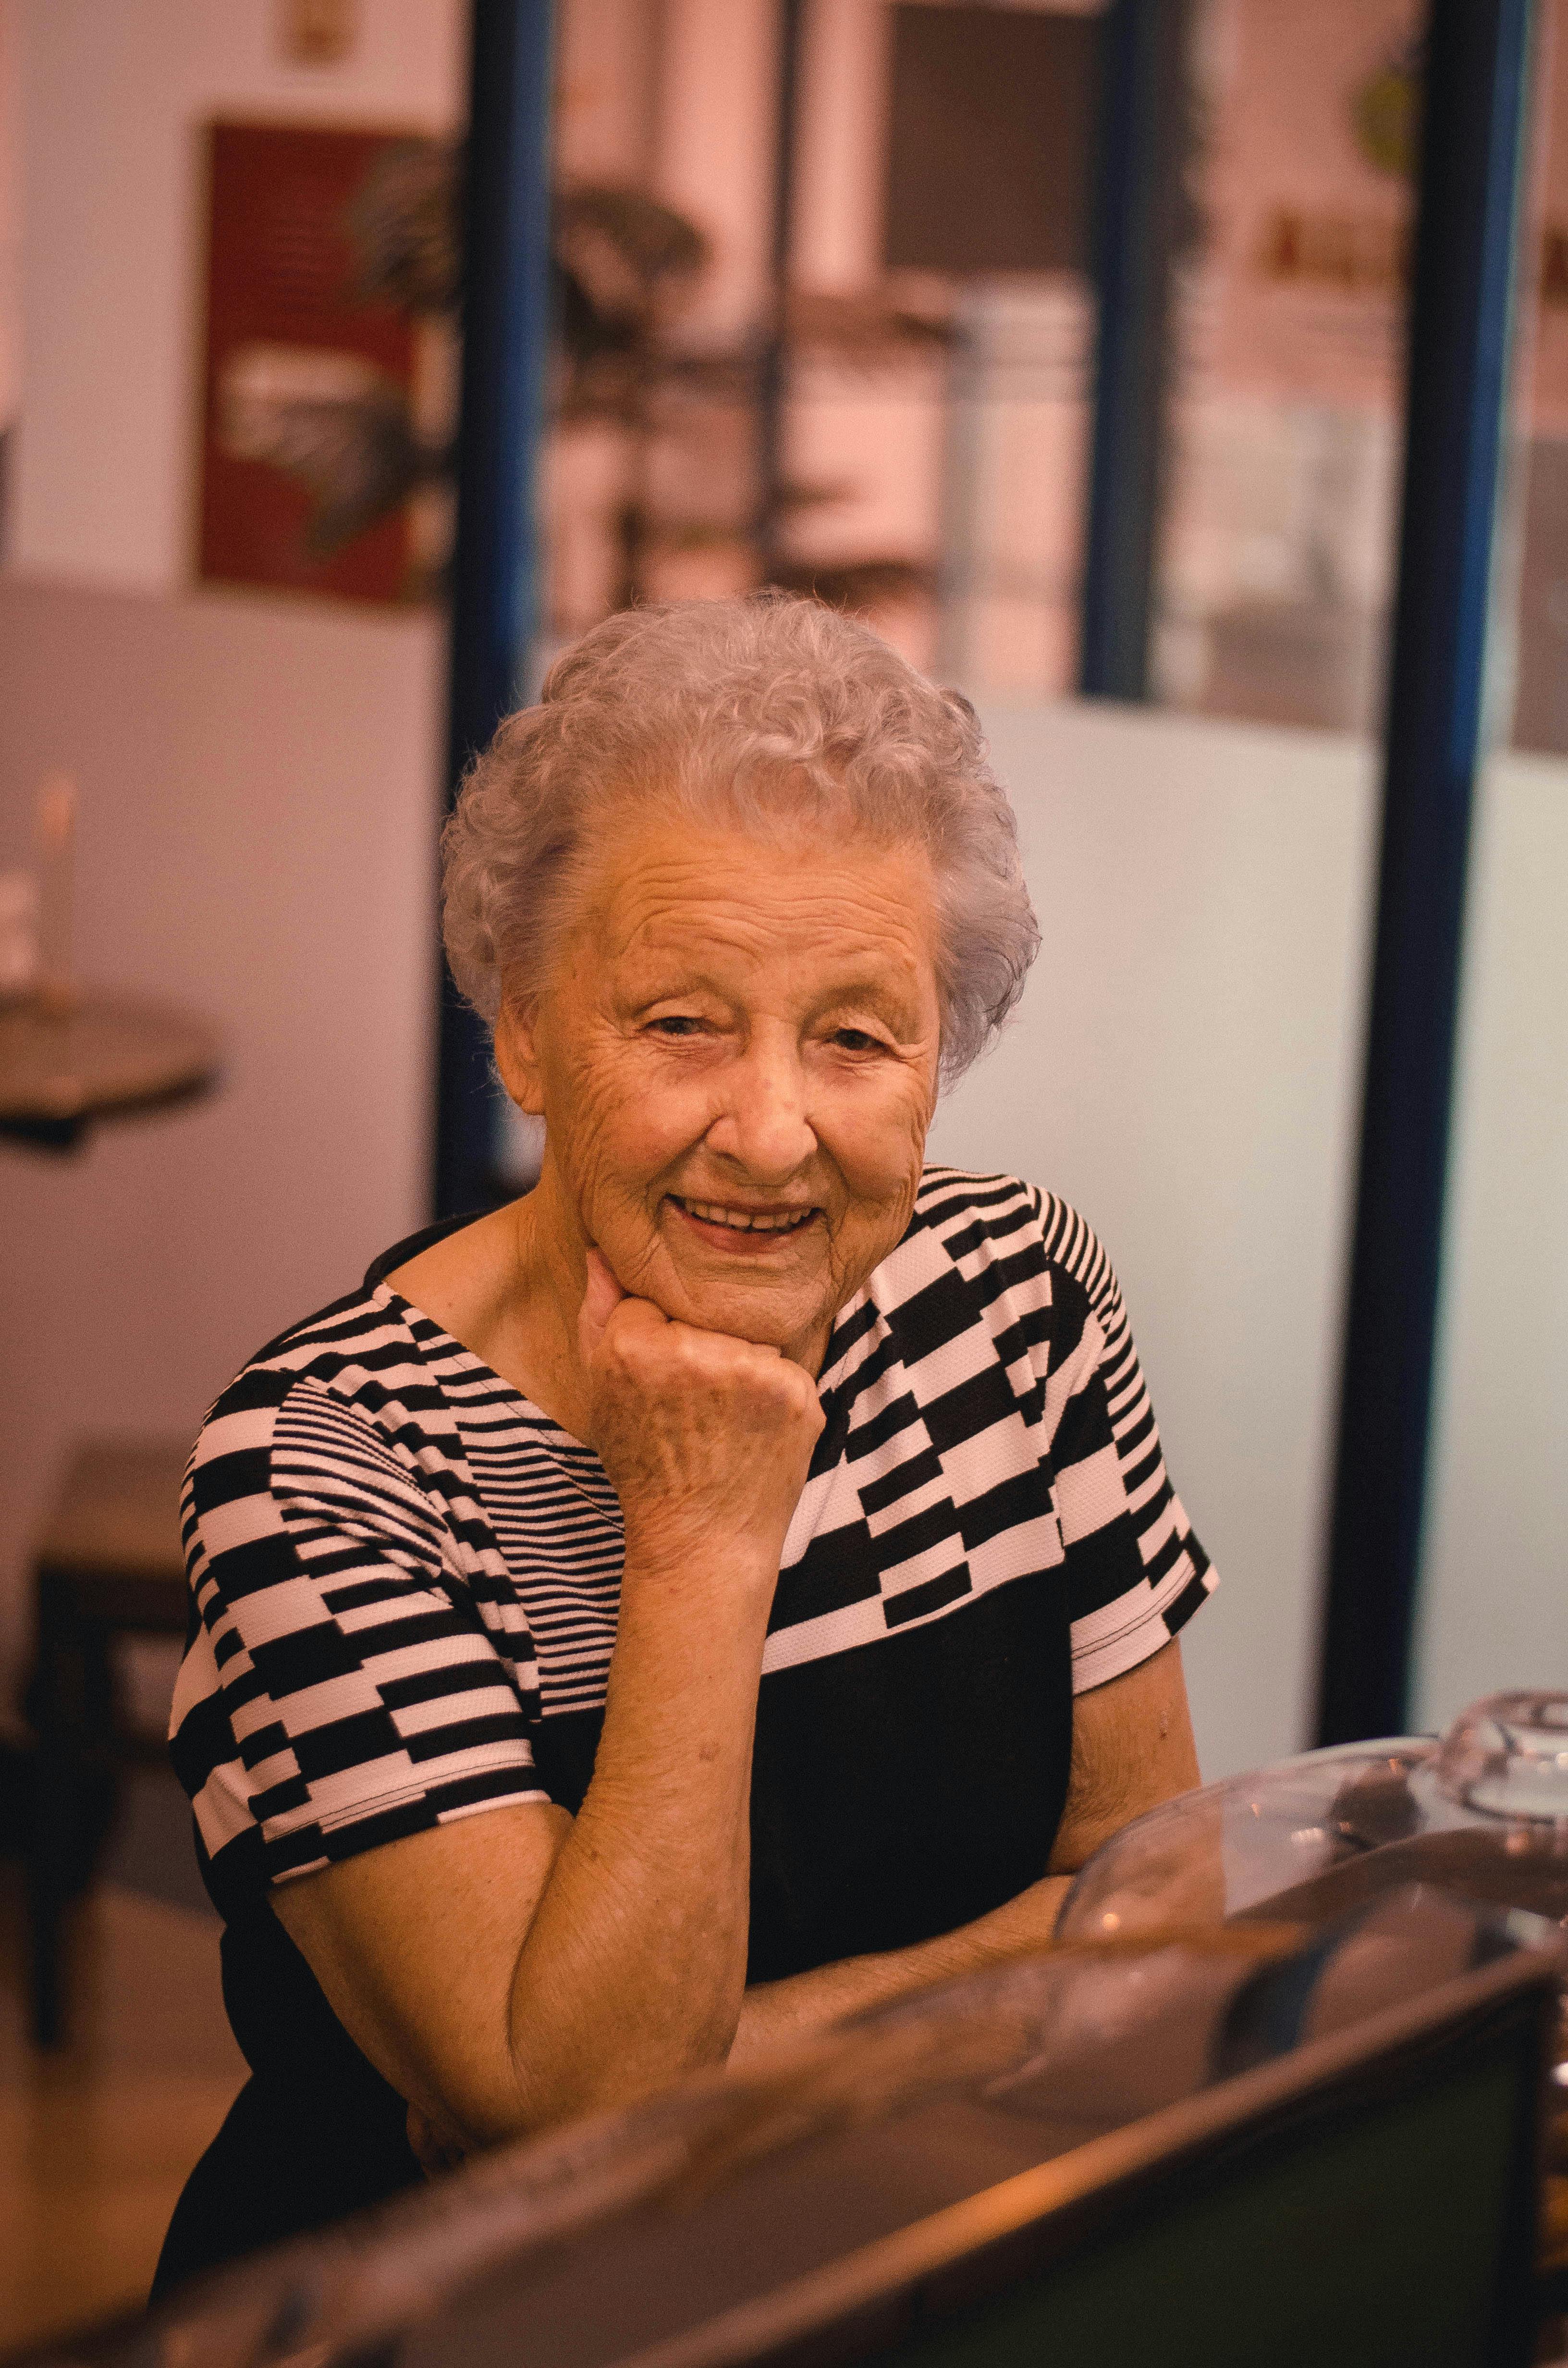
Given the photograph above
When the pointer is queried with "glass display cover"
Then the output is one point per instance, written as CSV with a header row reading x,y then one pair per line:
x,y
1483,1811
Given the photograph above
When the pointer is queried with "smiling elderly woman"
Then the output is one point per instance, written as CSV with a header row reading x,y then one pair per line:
x,y
736,1582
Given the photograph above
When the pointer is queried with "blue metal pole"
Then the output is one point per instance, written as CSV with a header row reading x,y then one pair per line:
x,y
773,389
1474,138
506,323
1142,135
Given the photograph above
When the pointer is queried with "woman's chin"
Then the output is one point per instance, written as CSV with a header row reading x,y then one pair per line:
x,y
752,1302
752,1307
782,1296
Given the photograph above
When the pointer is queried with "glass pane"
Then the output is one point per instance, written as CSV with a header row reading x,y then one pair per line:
x,y
905,426
1277,553
1493,1611
902,427
1185,1067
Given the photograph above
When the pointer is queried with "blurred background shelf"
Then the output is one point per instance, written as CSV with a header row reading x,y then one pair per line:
x,y
107,1055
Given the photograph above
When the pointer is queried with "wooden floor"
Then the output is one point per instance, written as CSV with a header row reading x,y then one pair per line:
x,y
96,2138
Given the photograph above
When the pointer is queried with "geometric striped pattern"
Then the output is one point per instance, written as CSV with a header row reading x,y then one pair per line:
x,y
399,1567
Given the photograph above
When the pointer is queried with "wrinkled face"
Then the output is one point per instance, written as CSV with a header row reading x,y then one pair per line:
x,y
737,1063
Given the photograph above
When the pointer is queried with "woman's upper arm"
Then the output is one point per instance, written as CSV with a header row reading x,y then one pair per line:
x,y
342,1686
416,1945
354,1739
1132,1748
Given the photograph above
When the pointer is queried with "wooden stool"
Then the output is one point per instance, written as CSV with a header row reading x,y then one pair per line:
x,y
109,1564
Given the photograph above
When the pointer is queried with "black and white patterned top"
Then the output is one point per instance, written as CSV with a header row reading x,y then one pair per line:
x,y
406,1575
404,1582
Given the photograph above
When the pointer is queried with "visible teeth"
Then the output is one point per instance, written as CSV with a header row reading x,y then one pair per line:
x,y
746,1220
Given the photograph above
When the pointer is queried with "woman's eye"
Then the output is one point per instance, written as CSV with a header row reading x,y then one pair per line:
x,y
856,1040
676,1023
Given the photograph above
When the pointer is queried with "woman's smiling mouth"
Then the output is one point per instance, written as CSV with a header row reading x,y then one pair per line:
x,y
736,1228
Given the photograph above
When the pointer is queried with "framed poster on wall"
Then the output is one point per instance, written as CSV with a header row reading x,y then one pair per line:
x,y
328,404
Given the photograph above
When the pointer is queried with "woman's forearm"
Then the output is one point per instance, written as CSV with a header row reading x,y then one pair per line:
x,y
633,1971
506,1972
1133,1750
774,2011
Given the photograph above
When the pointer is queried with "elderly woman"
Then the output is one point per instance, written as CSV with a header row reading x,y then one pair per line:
x,y
735,1583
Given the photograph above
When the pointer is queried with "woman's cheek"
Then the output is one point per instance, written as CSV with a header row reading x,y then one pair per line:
x,y
589,1146
644,1121
888,1142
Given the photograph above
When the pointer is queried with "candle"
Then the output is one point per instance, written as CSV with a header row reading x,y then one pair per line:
x,y
54,841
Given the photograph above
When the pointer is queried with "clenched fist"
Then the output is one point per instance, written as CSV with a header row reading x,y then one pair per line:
x,y
707,1439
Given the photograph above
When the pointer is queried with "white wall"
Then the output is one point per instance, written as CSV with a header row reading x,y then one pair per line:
x,y
258,808
112,98
1185,1069
1494,1604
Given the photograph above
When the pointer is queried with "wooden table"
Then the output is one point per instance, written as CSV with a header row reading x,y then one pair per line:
x,y
108,1055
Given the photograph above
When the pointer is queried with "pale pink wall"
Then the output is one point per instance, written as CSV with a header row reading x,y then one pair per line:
x,y
606,84
257,818
258,777
10,222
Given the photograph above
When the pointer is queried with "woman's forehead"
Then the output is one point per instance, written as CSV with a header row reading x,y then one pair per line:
x,y
665,890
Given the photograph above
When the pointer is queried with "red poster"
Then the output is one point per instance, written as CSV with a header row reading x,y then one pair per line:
x,y
317,444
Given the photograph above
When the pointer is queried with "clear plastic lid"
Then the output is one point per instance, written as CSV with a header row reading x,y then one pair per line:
x,y
1485,1811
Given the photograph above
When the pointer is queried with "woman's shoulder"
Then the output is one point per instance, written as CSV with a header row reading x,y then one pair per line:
x,y
367,1336
340,1410
979,1221
359,1355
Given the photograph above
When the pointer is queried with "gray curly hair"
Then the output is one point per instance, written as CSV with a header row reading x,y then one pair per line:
x,y
768,710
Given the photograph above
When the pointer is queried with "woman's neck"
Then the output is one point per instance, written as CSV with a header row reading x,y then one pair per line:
x,y
509,1287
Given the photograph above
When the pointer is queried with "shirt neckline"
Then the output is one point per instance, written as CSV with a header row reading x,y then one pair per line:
x,y
589,1480
560,1437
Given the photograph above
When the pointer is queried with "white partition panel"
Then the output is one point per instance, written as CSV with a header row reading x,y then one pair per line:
x,y
1493,1611
1185,1067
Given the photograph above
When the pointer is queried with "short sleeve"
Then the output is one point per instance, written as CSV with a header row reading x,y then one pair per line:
x,y
343,1686
1134,1570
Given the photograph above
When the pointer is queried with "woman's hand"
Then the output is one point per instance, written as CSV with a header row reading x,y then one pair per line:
x,y
434,2149
707,1439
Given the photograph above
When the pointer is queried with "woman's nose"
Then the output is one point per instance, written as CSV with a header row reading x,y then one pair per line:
x,y
763,1125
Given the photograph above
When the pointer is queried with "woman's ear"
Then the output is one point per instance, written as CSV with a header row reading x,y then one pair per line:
x,y
516,1056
